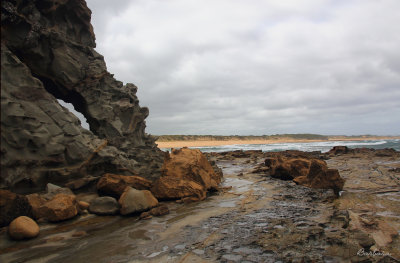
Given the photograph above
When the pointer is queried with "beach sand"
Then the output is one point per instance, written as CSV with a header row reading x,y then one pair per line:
x,y
201,143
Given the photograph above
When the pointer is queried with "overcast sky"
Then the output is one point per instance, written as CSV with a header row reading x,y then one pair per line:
x,y
229,67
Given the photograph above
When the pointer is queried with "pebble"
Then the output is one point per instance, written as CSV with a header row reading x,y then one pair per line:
x,y
232,257
198,252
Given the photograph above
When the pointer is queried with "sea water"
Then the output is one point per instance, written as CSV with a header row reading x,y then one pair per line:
x,y
303,146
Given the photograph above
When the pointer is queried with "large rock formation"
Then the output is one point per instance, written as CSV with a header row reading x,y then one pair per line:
x,y
186,174
47,53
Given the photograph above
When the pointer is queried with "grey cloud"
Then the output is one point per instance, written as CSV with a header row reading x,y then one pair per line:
x,y
223,67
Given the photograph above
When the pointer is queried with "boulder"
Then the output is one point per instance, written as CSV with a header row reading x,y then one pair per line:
x,y
169,188
23,227
12,206
111,185
114,185
191,165
60,208
326,179
304,170
37,201
186,174
105,205
133,200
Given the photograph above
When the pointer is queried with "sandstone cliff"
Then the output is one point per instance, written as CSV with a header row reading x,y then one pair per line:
x,y
47,53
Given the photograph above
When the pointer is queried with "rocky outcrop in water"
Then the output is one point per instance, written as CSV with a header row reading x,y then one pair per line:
x,y
47,53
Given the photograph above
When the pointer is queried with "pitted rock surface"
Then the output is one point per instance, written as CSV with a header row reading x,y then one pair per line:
x,y
47,53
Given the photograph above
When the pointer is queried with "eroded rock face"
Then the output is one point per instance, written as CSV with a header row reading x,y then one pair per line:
x,y
47,53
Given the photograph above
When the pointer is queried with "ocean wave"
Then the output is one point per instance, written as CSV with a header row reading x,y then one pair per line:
x,y
306,146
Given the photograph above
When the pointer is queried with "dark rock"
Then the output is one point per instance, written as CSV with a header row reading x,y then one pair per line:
x,y
105,205
12,206
339,150
53,190
47,54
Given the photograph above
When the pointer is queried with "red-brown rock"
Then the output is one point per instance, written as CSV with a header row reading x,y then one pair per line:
x,y
114,185
61,207
304,170
187,174
191,165
37,201
169,187
23,227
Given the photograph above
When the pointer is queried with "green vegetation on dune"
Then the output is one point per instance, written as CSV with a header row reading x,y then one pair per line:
x,y
302,136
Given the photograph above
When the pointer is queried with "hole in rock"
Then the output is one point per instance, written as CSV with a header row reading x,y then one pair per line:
x,y
80,116
72,100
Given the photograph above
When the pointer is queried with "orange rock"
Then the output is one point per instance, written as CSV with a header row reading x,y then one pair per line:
x,y
137,182
114,184
307,171
23,227
169,187
192,165
111,185
186,174
37,202
61,207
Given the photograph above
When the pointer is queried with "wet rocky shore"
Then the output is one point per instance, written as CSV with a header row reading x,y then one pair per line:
x,y
254,217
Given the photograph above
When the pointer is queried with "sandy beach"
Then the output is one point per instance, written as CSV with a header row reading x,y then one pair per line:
x,y
201,143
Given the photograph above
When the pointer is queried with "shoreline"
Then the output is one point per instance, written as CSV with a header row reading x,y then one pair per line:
x,y
206,143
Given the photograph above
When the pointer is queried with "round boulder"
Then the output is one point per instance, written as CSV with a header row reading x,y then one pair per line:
x,y
23,227
133,200
105,205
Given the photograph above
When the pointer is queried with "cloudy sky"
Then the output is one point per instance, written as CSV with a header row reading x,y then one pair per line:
x,y
228,67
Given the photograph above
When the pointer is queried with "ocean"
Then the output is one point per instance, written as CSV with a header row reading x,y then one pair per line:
x,y
306,147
